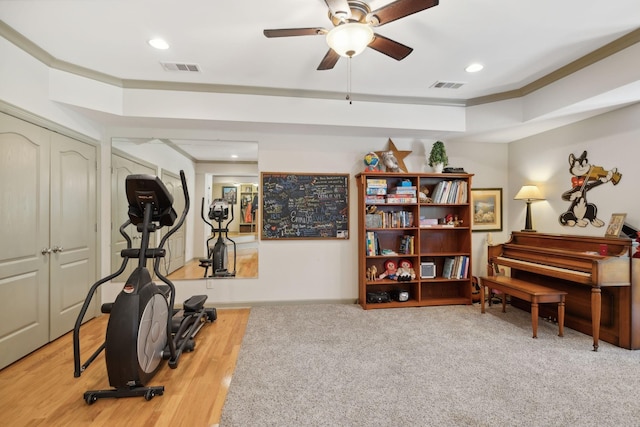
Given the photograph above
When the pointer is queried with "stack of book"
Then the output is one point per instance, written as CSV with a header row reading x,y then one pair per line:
x,y
456,267
376,191
403,194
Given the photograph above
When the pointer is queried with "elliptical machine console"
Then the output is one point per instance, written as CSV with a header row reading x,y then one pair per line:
x,y
143,327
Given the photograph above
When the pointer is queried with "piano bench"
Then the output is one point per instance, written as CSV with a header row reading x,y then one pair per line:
x,y
531,292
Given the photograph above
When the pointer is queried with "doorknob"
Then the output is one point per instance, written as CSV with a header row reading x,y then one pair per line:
x,y
45,251
57,249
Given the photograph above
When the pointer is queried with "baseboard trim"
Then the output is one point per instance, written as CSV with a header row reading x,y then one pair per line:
x,y
249,304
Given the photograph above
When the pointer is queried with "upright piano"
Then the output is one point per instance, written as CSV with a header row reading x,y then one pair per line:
x,y
596,272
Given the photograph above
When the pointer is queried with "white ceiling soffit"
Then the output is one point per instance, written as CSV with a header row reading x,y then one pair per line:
x,y
524,46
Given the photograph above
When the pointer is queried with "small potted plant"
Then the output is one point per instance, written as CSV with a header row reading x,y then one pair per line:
x,y
438,157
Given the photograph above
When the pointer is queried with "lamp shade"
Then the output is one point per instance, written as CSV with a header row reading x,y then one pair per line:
x,y
529,192
349,39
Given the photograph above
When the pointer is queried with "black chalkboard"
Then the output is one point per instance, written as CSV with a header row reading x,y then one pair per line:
x,y
305,206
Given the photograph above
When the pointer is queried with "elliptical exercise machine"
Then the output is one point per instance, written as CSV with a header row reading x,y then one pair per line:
x,y
218,254
143,327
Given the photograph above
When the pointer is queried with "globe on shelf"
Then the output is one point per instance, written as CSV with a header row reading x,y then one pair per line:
x,y
372,162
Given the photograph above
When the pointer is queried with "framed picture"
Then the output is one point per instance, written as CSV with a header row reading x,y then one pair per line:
x,y
230,194
486,214
615,225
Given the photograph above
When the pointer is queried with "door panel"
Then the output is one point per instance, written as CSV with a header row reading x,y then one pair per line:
x,y
175,246
73,230
24,215
121,167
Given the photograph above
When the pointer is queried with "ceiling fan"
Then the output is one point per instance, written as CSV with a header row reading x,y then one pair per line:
x,y
353,23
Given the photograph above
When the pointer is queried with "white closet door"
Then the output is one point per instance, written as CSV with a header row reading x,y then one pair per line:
x,y
175,245
73,230
121,167
24,233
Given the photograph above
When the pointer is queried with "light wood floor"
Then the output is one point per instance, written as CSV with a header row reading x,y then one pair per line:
x,y
247,266
40,389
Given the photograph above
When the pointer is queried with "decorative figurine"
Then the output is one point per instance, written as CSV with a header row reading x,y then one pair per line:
x,y
424,195
405,271
390,162
398,155
371,273
372,162
390,271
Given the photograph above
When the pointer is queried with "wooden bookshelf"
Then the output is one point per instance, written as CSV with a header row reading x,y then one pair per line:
x,y
395,224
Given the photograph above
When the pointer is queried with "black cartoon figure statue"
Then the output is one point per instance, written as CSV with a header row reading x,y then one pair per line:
x,y
585,176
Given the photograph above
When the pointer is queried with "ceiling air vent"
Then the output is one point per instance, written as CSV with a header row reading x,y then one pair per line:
x,y
179,66
447,85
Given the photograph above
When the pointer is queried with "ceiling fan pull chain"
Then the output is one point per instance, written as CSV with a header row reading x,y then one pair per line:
x,y
349,81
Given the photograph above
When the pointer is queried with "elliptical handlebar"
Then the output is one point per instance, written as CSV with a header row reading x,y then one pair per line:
x,y
231,219
203,216
156,266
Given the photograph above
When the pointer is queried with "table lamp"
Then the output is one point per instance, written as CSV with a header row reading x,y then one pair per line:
x,y
528,193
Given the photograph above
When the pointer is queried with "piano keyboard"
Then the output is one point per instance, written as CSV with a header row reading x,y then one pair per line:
x,y
536,267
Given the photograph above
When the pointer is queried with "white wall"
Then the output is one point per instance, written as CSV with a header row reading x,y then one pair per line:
x,y
327,270
611,141
291,270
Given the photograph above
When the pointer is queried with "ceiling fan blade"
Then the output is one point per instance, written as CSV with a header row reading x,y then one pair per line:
x,y
398,9
339,8
329,61
389,47
291,32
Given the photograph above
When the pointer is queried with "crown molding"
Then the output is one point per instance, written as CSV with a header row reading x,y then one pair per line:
x,y
605,51
43,56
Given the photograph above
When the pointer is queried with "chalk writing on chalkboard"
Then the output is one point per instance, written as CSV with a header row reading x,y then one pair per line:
x,y
305,206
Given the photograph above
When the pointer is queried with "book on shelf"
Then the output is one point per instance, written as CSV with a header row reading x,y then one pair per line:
x,y
401,198
406,245
376,191
375,200
393,219
397,219
376,183
404,190
456,267
447,268
372,243
451,192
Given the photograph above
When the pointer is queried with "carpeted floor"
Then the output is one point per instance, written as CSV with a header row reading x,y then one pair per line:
x,y
338,365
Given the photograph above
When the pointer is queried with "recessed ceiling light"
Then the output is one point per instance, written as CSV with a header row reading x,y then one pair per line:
x,y
474,68
159,44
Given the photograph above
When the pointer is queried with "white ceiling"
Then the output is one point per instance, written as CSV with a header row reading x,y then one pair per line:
x,y
517,41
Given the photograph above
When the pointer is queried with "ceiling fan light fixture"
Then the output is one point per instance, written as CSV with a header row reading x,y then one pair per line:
x,y
350,39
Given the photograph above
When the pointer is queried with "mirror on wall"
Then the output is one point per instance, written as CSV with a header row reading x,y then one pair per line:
x,y
204,247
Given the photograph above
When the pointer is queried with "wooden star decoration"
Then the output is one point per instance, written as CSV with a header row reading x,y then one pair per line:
x,y
399,155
